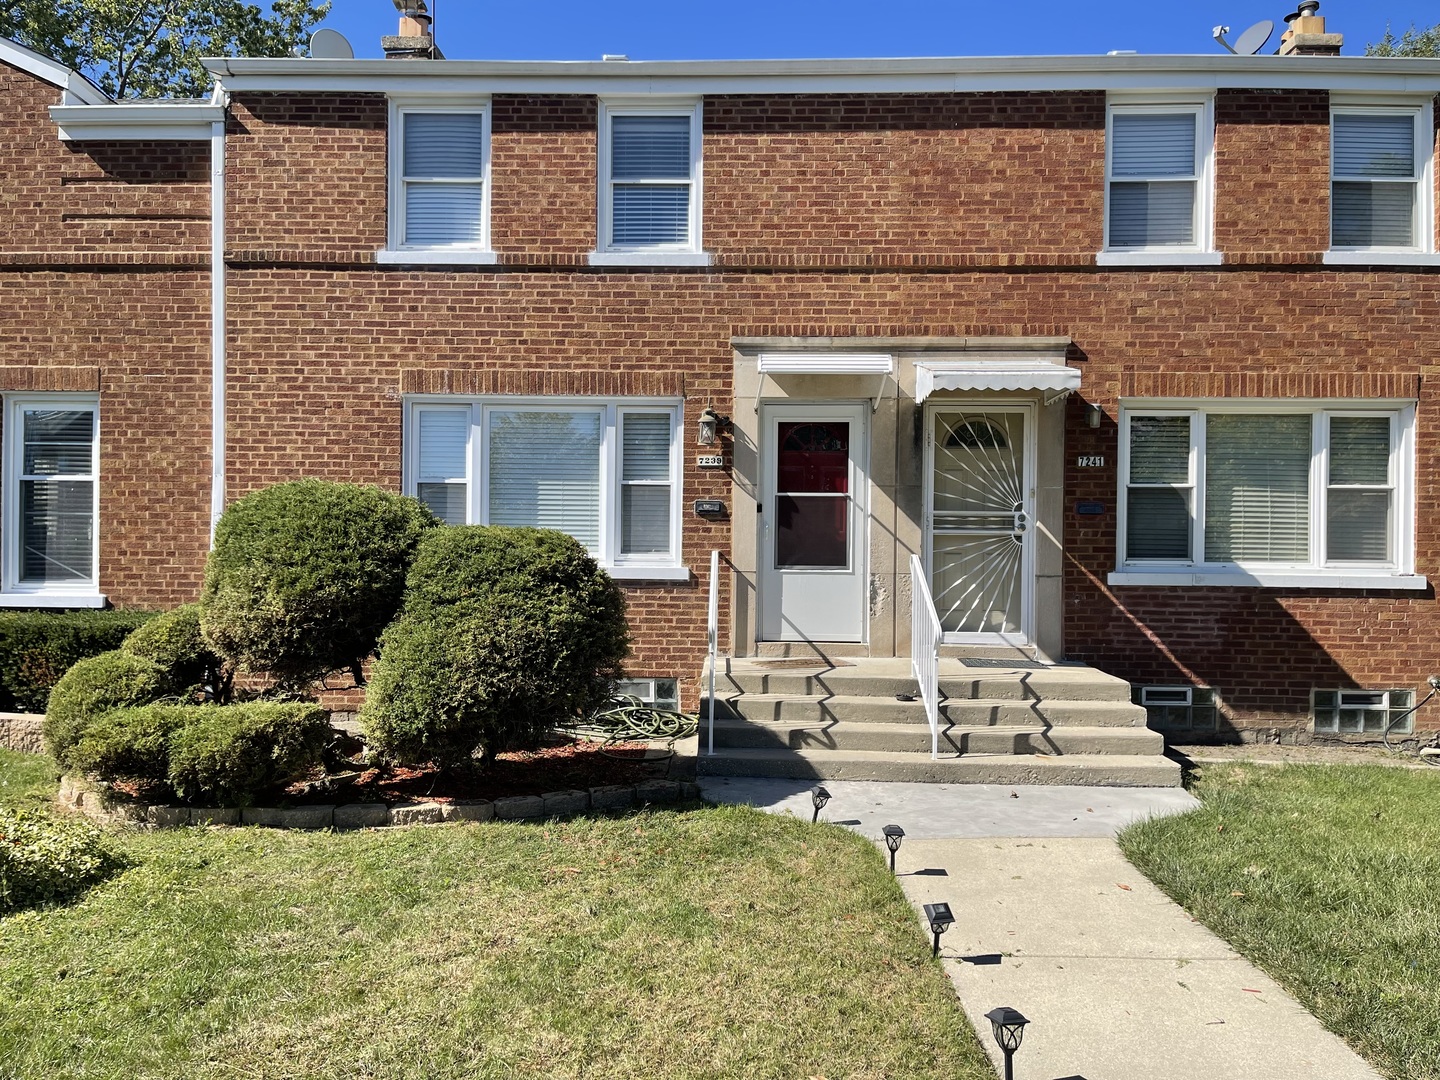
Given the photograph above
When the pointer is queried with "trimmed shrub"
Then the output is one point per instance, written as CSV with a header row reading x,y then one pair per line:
x,y
505,632
94,686
305,575
130,744
233,753
38,647
43,859
172,639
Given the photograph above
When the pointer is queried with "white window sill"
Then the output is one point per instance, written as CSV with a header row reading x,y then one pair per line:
x,y
650,258
1271,579
435,256
51,600
1159,258
1381,258
649,573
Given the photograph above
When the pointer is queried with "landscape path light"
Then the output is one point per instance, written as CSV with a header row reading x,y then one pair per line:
x,y
1009,1027
940,920
818,797
893,835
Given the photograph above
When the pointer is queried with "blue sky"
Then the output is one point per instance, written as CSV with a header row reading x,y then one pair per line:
x,y
743,29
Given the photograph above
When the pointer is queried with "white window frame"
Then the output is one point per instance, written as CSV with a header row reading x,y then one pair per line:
x,y
668,566
1398,572
1422,252
397,251
14,592
1202,252
690,253
1388,705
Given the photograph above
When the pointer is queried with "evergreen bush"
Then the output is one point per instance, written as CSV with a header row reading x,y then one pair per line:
x,y
232,754
130,743
305,575
172,639
94,686
505,632
38,647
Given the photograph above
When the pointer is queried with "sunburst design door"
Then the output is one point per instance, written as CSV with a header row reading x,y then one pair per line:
x,y
979,520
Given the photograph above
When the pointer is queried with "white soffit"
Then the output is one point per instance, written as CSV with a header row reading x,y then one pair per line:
x,y
1054,379
826,364
136,120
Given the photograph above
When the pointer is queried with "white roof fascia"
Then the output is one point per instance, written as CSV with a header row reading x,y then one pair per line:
x,y
173,123
912,75
77,89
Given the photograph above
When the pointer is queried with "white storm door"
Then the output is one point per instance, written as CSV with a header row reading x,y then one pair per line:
x,y
813,532
980,515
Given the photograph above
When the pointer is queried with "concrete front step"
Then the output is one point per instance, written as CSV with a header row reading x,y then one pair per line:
x,y
1091,770
998,712
915,738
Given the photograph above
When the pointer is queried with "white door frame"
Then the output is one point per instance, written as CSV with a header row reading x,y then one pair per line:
x,y
1027,409
857,575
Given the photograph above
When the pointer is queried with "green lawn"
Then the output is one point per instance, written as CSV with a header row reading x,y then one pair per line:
x,y
704,943
1328,877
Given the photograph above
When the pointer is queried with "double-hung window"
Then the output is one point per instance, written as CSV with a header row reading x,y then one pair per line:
x,y
607,473
1256,490
51,477
1380,160
439,181
649,173
1157,171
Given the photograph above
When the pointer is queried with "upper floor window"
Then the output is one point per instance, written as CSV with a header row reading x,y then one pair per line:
x,y
1379,164
1157,165
439,169
649,178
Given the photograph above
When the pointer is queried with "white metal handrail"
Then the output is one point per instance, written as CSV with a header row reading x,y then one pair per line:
x,y
925,649
712,632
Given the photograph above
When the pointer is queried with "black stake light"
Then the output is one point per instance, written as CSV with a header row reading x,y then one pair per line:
x,y
940,920
893,835
819,797
1009,1027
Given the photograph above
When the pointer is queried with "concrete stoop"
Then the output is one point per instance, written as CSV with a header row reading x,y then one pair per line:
x,y
1062,724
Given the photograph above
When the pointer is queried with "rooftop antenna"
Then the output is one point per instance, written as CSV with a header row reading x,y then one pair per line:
x,y
327,44
1250,42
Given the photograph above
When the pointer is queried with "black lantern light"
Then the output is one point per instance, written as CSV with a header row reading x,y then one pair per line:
x,y
1009,1027
940,920
893,835
710,424
818,798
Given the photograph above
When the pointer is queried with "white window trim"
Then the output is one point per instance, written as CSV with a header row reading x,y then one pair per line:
x,y
1202,252
690,253
13,592
1423,252
397,251
1317,573
1388,706
669,567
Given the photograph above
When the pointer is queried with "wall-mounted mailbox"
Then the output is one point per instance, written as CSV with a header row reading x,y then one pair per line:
x,y
1089,508
710,507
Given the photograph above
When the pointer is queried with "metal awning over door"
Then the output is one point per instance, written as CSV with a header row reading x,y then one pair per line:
x,y
1055,380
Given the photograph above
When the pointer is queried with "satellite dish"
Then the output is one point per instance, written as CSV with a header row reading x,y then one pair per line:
x,y
1252,40
327,44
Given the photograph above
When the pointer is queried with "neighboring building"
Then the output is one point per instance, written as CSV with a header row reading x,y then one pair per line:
x,y
1132,351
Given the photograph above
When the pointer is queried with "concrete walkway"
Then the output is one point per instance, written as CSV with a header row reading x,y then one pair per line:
x,y
1118,981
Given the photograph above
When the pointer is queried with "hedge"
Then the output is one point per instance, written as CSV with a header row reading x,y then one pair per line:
x,y
94,686
38,647
232,754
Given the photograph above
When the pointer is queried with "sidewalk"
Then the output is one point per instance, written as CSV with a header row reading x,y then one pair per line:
x,y
1118,981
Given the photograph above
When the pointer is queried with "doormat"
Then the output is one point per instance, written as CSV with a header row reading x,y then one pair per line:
x,y
988,661
796,662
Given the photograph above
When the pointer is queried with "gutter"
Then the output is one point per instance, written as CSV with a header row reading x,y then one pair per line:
x,y
218,324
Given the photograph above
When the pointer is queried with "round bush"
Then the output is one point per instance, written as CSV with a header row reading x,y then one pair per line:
x,y
130,744
505,633
173,641
305,575
44,859
232,754
94,686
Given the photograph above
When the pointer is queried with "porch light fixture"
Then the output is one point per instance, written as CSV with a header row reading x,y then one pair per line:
x,y
893,835
1094,415
1009,1027
818,798
940,920
711,423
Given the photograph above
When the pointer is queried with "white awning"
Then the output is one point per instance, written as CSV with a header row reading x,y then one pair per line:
x,y
1054,379
811,363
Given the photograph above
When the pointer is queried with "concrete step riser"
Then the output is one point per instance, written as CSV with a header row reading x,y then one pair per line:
x,y
916,740
965,689
1084,772
800,710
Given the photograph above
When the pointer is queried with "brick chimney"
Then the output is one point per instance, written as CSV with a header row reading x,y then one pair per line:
x,y
1306,34
416,39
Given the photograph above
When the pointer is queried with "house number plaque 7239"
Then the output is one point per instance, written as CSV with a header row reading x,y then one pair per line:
x,y
1090,461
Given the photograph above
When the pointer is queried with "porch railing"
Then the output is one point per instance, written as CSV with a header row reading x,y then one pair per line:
x,y
925,649
712,634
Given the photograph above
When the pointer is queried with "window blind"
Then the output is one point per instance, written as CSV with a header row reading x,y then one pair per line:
x,y
442,471
1358,514
1367,215
444,169
1372,199
1257,488
645,483
1373,145
650,180
57,496
1150,145
1153,171
544,471
1157,519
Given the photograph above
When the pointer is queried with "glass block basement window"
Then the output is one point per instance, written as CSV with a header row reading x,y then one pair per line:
x,y
662,693
1178,708
1361,712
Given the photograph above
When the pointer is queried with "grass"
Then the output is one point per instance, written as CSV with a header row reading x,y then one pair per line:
x,y
1328,877
709,943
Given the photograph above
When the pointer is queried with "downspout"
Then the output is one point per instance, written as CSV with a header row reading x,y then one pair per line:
x,y
217,316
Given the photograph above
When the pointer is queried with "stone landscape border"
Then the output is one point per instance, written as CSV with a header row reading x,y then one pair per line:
x,y
104,806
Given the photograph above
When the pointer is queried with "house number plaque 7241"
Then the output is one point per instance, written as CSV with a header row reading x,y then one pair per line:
x,y
1090,461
